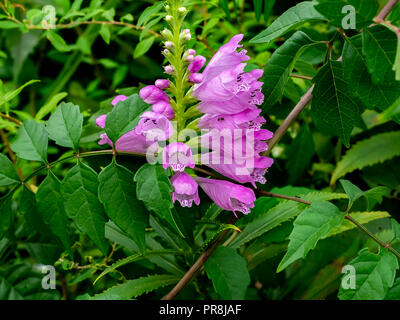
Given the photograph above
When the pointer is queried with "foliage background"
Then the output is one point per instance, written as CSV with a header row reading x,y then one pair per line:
x,y
88,63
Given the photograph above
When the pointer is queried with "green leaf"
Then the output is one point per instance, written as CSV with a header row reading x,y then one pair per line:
x,y
154,189
292,18
378,148
8,175
50,206
124,117
228,272
332,103
65,125
137,287
9,25
394,292
352,191
225,6
31,141
311,225
133,258
375,274
105,33
117,193
143,46
272,218
50,105
303,144
79,189
149,12
12,94
268,5
6,215
280,65
379,96
57,41
379,49
365,11
361,217
258,8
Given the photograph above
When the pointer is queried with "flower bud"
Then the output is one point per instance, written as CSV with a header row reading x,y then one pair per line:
x,y
185,34
166,51
191,52
189,58
169,44
151,94
182,10
195,78
168,18
197,64
162,83
169,69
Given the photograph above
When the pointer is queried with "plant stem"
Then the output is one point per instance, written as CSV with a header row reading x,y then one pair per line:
x,y
386,9
7,117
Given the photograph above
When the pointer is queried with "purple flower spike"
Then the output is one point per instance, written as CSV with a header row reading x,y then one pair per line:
x,y
162,83
119,98
154,126
197,64
151,94
178,156
185,189
227,195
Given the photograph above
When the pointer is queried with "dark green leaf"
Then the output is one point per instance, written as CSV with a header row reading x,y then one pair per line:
x,y
50,206
65,125
117,193
6,215
143,46
332,103
292,18
80,189
8,175
124,117
311,225
31,141
228,272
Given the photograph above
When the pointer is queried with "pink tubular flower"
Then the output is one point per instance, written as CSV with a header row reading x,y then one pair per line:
x,y
227,195
152,94
185,189
195,77
154,126
247,119
101,121
163,108
178,156
197,64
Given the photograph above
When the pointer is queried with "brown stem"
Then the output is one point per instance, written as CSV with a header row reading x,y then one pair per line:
x,y
386,9
281,196
300,76
7,117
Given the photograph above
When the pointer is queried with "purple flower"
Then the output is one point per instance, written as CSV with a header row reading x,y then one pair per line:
x,y
154,126
195,77
178,156
101,121
185,189
169,69
162,83
163,108
247,119
152,94
197,64
227,195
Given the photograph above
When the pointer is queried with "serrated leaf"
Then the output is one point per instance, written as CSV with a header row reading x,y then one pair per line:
x,y
332,103
57,41
365,11
361,217
137,287
79,189
284,211
65,125
143,46
290,19
133,258
312,225
352,191
394,292
379,96
154,189
228,272
31,141
379,49
374,273
8,175
117,193
50,206
378,148
303,144
280,65
124,117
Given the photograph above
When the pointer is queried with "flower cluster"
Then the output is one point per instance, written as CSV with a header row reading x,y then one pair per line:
x,y
227,99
